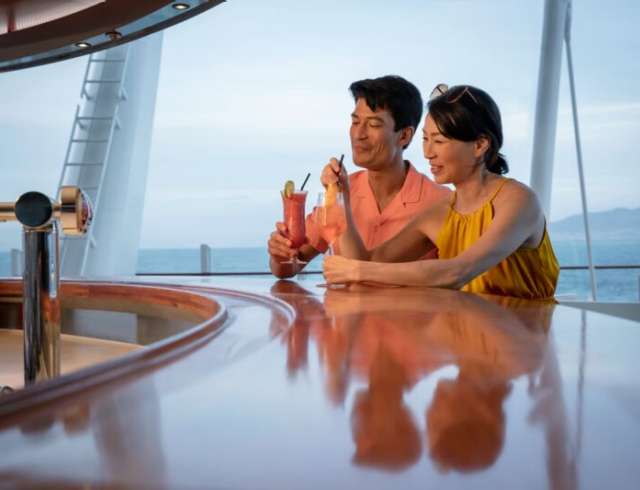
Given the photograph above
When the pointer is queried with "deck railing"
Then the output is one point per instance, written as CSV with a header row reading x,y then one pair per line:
x,y
573,286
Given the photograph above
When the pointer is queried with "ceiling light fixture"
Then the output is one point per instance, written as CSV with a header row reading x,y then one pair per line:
x,y
58,33
113,35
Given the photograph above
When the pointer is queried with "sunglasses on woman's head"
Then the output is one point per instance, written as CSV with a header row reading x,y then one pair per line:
x,y
453,95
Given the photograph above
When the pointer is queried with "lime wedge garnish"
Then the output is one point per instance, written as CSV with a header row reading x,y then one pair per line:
x,y
289,188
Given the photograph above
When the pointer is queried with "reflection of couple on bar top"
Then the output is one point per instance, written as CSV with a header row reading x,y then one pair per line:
x,y
391,339
489,235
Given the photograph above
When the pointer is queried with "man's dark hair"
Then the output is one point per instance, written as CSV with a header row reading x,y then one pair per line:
x,y
393,93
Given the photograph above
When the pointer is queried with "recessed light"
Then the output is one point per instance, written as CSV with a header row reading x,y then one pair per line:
x,y
113,35
181,6
83,45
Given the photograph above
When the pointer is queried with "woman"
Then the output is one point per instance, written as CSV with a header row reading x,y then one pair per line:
x,y
491,235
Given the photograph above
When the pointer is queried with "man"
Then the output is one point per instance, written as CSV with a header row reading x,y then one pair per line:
x,y
389,192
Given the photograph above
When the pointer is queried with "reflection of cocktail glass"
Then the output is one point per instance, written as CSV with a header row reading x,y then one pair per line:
x,y
294,220
330,218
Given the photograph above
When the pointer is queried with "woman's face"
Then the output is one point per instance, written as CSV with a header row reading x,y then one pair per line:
x,y
451,161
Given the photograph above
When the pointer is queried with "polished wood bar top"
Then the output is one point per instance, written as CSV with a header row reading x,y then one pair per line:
x,y
308,387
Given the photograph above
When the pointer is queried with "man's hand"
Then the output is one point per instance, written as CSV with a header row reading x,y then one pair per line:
x,y
334,173
279,246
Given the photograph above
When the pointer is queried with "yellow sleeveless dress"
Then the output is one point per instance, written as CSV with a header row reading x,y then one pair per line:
x,y
530,273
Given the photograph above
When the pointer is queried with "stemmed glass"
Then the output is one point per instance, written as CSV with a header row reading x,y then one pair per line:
x,y
330,218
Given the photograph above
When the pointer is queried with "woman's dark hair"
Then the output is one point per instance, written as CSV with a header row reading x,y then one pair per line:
x,y
467,113
393,93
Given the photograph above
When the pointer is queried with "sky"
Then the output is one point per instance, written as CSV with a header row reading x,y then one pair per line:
x,y
253,93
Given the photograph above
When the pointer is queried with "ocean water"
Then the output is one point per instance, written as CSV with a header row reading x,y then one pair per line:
x,y
613,285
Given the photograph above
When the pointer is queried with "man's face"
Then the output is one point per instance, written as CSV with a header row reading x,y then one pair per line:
x,y
374,142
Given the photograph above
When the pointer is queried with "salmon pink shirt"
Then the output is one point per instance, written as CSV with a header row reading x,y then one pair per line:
x,y
418,193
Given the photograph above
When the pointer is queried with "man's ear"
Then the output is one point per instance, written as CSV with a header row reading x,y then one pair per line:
x,y
406,134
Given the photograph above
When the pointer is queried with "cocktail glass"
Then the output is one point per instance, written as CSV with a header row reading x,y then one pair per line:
x,y
330,218
294,218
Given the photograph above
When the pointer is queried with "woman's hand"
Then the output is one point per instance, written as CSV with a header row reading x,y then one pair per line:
x,y
340,270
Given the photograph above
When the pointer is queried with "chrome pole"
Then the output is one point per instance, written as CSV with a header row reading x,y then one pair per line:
x,y
576,130
41,305
40,218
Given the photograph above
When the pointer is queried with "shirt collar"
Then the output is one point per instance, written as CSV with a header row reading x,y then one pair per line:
x,y
409,193
412,187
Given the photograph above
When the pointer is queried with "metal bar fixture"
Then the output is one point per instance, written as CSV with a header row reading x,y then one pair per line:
x,y
40,218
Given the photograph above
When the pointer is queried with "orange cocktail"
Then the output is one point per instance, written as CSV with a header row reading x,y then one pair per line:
x,y
329,215
334,223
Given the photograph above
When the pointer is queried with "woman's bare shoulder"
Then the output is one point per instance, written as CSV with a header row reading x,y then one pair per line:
x,y
520,203
515,194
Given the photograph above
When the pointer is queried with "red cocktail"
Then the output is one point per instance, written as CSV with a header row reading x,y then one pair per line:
x,y
294,216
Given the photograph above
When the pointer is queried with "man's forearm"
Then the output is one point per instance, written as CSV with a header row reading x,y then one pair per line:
x,y
283,270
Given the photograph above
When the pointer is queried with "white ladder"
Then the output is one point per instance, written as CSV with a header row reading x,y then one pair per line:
x,y
92,132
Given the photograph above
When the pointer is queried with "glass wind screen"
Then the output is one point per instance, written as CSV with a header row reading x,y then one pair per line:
x,y
609,124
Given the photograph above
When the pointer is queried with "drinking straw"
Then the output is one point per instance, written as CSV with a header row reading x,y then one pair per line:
x,y
340,167
305,181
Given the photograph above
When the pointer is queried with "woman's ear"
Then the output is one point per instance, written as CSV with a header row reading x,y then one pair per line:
x,y
482,146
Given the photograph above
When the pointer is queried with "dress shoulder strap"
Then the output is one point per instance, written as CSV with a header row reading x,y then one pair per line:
x,y
452,199
499,188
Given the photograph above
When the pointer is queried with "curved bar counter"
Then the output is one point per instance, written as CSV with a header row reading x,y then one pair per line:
x,y
261,383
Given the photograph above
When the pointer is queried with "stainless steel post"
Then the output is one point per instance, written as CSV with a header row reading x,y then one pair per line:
x,y
40,217
41,305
